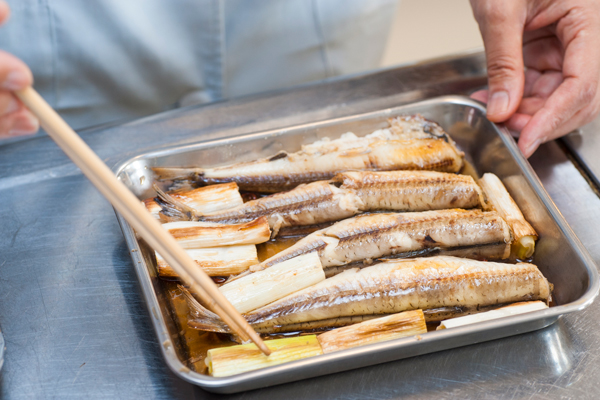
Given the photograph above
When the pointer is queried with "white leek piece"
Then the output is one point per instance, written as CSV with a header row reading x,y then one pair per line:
x,y
204,200
513,309
264,287
216,261
197,235
499,200
408,323
226,361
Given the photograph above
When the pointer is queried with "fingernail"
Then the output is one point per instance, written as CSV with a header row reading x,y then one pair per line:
x,y
529,150
498,103
12,106
15,80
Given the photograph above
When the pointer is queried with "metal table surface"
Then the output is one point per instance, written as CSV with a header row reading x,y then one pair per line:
x,y
70,305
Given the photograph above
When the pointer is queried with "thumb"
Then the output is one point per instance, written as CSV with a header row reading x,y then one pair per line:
x,y
501,25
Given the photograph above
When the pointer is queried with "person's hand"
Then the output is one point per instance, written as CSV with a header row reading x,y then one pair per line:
x,y
558,42
15,119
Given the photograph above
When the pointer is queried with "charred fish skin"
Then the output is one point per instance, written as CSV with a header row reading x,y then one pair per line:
x,y
372,236
382,150
349,194
412,190
396,286
308,204
377,235
296,168
417,127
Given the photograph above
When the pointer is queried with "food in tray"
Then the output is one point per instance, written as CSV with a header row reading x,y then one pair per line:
x,y
419,145
357,212
441,286
227,361
372,236
498,199
256,290
215,261
205,200
195,235
345,195
506,311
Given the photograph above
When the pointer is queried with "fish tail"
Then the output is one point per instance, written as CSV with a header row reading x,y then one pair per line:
x,y
202,318
174,210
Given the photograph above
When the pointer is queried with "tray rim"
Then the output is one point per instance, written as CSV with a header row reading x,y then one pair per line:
x,y
228,384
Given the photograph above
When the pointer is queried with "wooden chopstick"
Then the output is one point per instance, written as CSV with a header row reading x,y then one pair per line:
x,y
136,214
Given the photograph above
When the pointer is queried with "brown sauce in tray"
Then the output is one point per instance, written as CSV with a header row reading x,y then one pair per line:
x,y
197,343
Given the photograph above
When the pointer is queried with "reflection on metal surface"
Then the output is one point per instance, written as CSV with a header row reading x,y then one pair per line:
x,y
558,348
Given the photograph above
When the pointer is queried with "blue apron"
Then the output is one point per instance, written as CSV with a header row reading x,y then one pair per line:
x,y
97,61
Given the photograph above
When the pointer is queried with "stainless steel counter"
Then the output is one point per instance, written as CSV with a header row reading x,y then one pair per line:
x,y
70,306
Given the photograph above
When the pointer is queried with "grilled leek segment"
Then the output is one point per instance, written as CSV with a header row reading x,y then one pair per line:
x,y
196,235
215,261
264,287
395,326
507,311
499,200
226,361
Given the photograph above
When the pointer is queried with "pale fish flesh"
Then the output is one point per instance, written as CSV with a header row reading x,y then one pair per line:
x,y
434,283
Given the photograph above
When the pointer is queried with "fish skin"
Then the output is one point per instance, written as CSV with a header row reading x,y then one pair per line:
x,y
297,168
411,190
395,286
442,287
351,193
371,236
307,204
383,150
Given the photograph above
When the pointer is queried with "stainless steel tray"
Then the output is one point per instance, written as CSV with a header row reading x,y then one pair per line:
x,y
559,254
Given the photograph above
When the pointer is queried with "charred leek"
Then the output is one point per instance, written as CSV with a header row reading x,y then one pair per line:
x,y
216,261
499,200
226,361
408,323
196,235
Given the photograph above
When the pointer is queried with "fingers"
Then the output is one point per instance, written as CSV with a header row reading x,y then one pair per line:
x,y
576,100
501,25
544,54
4,12
14,74
15,119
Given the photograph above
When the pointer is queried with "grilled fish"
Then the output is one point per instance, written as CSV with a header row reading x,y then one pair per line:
x,y
434,283
407,148
372,236
346,195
